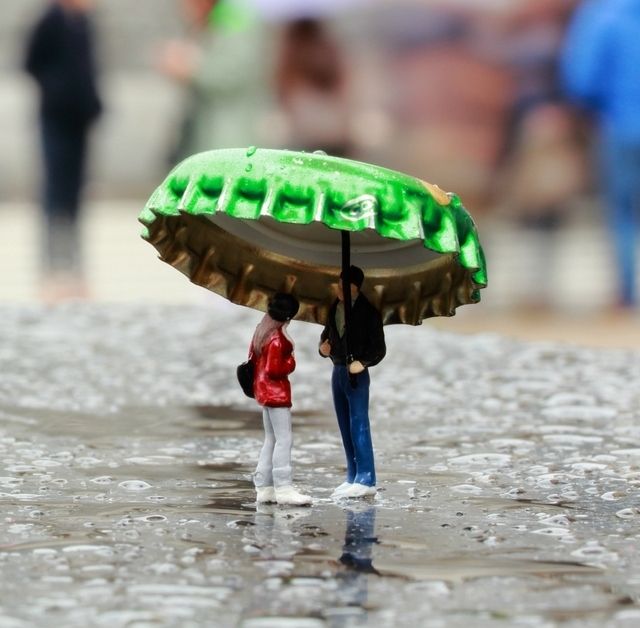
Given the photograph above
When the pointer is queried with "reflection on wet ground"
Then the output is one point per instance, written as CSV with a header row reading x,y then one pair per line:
x,y
506,498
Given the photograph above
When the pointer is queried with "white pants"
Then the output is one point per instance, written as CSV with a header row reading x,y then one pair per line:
x,y
274,464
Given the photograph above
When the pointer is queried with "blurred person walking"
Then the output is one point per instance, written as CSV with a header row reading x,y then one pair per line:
x,y
222,64
599,67
311,88
60,58
543,161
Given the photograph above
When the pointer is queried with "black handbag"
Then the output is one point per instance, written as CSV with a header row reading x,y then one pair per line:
x,y
245,377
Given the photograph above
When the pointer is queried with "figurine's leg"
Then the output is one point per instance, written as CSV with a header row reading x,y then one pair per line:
x,y
284,492
361,432
281,422
339,381
263,475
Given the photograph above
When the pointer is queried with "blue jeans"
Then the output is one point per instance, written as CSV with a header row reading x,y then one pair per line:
x,y
622,181
352,410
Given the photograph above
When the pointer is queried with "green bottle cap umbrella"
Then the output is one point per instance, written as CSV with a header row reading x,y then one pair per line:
x,y
246,223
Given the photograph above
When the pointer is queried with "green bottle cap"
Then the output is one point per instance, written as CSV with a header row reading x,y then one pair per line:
x,y
249,222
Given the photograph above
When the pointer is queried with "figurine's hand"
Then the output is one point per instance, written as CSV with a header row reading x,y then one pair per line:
x,y
356,367
325,349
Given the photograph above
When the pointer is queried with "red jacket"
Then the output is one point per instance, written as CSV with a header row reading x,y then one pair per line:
x,y
270,384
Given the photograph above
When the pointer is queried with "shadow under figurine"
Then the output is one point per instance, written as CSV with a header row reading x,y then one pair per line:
x,y
350,381
271,353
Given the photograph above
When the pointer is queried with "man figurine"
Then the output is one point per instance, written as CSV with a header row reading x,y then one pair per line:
x,y
350,381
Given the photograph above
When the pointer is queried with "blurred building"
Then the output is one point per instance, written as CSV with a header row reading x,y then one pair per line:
x,y
431,89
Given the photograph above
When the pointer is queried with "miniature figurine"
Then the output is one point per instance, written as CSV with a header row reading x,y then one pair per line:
x,y
271,352
245,221
350,382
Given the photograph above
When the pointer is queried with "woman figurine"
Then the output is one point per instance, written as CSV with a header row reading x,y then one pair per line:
x,y
271,352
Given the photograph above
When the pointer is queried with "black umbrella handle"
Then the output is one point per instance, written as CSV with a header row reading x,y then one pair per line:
x,y
346,299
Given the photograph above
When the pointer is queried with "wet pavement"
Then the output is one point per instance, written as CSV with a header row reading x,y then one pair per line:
x,y
508,472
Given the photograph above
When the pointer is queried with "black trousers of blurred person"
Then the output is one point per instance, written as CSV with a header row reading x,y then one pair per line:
x,y
64,149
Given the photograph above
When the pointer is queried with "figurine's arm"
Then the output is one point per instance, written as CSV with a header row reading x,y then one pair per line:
x,y
278,364
324,348
375,348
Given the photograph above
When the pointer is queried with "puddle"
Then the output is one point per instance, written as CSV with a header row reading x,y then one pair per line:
x,y
464,568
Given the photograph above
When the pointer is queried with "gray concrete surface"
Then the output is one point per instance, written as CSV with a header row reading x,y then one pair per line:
x,y
508,480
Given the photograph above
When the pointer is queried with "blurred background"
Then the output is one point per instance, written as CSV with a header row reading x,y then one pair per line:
x,y
500,101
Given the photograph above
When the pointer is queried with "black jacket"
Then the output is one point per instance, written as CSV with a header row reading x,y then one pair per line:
x,y
60,58
366,334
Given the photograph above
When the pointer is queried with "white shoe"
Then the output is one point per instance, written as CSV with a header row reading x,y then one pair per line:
x,y
290,496
358,490
341,489
265,495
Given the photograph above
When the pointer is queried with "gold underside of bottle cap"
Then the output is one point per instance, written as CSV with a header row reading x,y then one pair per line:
x,y
247,274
